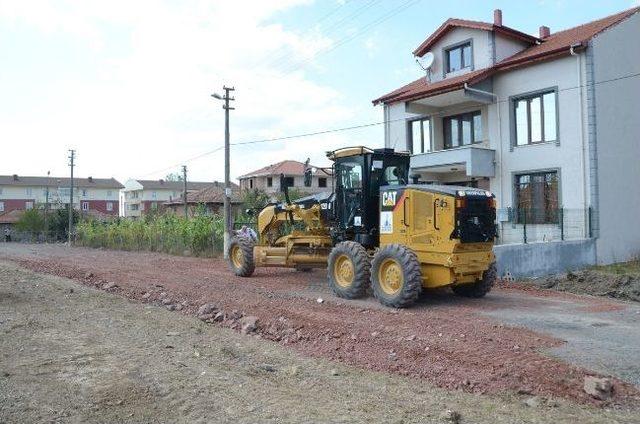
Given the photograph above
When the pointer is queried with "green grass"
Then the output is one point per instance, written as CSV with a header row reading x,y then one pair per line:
x,y
621,268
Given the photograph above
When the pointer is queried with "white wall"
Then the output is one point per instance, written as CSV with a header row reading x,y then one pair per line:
x,y
616,54
568,157
481,50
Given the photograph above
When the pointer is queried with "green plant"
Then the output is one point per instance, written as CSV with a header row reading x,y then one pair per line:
x,y
201,235
32,221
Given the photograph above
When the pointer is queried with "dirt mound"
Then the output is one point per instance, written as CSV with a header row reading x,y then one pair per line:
x,y
596,283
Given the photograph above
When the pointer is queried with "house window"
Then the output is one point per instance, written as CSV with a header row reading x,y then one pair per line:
x,y
154,194
29,191
537,197
109,206
251,183
461,130
133,207
536,119
420,136
28,205
154,205
458,57
269,181
289,181
322,182
84,193
1,206
85,206
109,193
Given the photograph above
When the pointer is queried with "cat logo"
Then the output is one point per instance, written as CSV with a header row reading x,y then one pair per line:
x,y
389,198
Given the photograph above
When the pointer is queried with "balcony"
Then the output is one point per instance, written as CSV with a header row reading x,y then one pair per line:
x,y
473,160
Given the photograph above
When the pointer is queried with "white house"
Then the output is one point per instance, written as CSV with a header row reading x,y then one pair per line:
x,y
549,123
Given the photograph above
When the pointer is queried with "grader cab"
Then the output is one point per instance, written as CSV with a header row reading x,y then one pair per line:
x,y
377,230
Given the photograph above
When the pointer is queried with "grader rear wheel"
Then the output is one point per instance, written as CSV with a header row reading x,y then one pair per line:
x,y
481,287
395,276
349,270
241,256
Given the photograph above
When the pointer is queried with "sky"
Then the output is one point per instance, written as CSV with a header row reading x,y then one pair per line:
x,y
128,84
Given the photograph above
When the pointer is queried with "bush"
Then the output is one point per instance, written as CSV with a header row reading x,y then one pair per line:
x,y
199,236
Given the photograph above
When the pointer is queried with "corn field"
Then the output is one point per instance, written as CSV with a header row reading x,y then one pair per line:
x,y
195,236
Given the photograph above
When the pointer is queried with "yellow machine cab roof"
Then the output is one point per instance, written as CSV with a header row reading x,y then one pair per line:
x,y
354,151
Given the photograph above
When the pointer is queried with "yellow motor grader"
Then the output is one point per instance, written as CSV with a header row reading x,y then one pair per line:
x,y
377,230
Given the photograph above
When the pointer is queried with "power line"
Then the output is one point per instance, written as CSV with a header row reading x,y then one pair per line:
x,y
371,124
281,53
367,27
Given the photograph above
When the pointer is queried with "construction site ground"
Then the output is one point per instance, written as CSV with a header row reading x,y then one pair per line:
x,y
118,339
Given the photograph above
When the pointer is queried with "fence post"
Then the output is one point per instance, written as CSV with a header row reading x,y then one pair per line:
x,y
561,210
524,226
590,217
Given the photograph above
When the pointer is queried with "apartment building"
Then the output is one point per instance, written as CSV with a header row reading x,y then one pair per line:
x,y
94,196
548,122
142,196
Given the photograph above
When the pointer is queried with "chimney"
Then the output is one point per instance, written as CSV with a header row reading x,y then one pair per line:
x,y
15,177
544,31
90,179
497,17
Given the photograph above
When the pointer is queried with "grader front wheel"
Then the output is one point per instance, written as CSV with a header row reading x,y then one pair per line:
x,y
395,276
349,270
241,256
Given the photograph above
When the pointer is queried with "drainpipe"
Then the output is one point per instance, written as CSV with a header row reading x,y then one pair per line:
x,y
475,90
578,56
495,97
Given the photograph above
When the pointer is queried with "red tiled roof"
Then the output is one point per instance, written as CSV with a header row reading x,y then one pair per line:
x,y
557,44
11,217
560,42
421,88
212,194
287,167
463,23
19,180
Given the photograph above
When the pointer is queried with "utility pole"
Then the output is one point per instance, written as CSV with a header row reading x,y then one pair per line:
x,y
184,180
227,184
72,156
46,208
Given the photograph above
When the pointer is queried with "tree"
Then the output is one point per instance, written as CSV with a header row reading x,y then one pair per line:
x,y
31,221
174,176
59,222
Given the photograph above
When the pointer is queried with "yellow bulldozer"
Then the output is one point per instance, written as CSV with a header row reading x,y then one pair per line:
x,y
376,230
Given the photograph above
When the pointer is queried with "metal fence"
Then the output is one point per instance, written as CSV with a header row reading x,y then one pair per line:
x,y
34,237
542,225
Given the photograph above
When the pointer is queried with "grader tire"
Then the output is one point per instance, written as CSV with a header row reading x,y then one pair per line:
x,y
349,270
481,287
396,277
240,255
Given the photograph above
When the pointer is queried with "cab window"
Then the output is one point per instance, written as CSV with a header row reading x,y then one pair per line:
x,y
393,175
351,174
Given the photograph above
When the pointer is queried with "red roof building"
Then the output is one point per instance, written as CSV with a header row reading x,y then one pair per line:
x,y
548,122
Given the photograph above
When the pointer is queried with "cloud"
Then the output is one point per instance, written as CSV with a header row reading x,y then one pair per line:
x,y
128,84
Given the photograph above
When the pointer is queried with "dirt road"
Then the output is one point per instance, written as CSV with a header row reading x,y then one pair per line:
x,y
450,342
72,354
